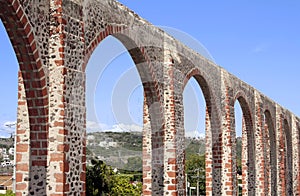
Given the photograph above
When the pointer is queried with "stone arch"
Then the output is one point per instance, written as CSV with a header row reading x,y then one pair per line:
x,y
138,53
211,122
248,145
288,158
152,112
270,147
200,78
32,81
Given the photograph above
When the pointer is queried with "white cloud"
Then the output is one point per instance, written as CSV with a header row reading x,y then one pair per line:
x,y
98,127
125,128
131,128
92,126
195,134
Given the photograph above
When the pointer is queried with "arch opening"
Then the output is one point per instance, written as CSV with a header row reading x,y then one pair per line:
x,y
270,147
122,109
238,113
198,119
8,115
247,146
194,126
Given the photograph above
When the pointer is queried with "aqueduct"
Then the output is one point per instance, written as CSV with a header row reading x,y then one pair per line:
x,y
53,41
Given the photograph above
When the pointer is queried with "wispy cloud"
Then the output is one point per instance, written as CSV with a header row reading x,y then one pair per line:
x,y
260,48
92,126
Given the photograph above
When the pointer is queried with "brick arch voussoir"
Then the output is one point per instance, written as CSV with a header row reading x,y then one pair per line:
x,y
269,118
270,114
203,83
287,127
244,103
207,89
107,31
23,41
138,55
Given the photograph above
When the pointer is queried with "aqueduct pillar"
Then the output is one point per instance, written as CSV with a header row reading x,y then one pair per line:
x,y
66,148
52,40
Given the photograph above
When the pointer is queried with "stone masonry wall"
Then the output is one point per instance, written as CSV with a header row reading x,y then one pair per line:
x,y
53,41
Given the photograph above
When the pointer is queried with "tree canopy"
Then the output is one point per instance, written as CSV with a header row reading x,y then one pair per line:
x,y
101,180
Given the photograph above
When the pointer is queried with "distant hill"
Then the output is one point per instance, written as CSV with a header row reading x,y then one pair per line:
x,y
115,148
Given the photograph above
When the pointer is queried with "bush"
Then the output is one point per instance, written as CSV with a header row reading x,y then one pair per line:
x,y
8,193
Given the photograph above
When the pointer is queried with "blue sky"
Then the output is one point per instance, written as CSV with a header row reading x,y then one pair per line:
x,y
258,41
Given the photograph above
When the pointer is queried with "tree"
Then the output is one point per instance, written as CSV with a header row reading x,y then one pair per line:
x,y
134,164
99,178
8,193
123,187
195,164
239,155
102,181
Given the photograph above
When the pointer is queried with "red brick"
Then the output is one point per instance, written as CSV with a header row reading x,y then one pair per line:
x,y
22,167
172,161
59,188
39,163
59,177
21,186
19,177
22,148
56,157
171,174
171,187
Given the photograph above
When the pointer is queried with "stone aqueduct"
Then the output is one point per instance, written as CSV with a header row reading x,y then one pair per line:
x,y
53,41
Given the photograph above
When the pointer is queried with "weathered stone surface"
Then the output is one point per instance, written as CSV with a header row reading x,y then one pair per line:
x,y
54,40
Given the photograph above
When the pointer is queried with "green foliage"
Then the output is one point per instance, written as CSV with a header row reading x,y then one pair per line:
x,y
195,164
123,187
239,154
134,164
102,181
8,193
99,178
194,146
89,152
239,161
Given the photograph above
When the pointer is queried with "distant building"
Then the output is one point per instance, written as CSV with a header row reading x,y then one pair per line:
x,y
103,144
108,142
90,137
112,144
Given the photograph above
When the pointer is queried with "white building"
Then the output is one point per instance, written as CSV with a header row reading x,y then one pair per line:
x,y
11,151
90,137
